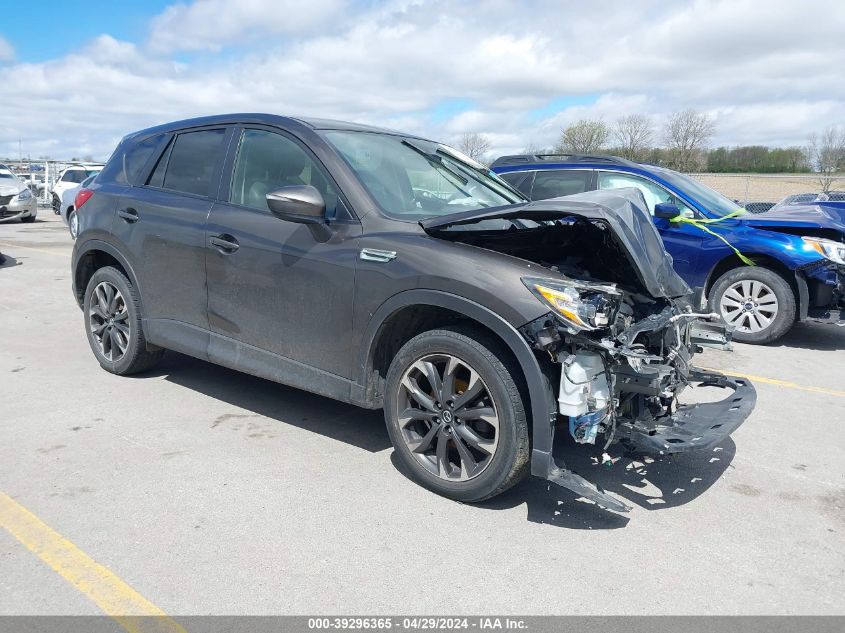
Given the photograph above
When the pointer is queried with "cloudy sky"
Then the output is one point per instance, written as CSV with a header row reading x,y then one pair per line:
x,y
77,76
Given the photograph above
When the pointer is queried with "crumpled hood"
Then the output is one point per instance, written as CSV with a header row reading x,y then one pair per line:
x,y
622,210
796,215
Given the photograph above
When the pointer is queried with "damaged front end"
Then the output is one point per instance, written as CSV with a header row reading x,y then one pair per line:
x,y
620,334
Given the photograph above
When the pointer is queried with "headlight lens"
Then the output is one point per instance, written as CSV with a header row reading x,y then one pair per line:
x,y
24,195
834,251
583,305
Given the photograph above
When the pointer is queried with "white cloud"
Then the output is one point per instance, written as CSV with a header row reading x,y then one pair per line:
x,y
212,24
392,63
7,51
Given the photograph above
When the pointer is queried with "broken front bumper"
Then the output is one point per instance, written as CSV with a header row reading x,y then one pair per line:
x,y
694,427
691,427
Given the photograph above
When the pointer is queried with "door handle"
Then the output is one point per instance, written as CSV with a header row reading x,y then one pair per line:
x,y
225,243
130,215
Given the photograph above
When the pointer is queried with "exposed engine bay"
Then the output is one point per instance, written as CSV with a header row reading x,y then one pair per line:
x,y
621,331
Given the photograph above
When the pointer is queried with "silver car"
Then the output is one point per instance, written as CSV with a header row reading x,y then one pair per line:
x,y
16,200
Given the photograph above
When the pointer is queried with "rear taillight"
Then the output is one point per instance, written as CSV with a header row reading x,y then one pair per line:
x,y
82,197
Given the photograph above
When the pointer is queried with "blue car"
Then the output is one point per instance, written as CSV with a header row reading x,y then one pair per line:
x,y
761,272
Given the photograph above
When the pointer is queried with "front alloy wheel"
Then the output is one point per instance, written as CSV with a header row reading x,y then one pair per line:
x,y
447,417
109,321
749,305
758,302
455,414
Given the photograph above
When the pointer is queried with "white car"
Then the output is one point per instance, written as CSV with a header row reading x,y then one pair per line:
x,y
70,177
16,200
67,210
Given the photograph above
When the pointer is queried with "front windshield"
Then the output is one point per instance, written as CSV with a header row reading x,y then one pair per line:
x,y
413,179
712,201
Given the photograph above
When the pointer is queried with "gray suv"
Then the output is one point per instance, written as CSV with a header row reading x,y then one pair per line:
x,y
390,271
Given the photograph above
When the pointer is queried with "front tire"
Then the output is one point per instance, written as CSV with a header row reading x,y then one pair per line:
x,y
757,301
455,414
56,204
112,312
28,219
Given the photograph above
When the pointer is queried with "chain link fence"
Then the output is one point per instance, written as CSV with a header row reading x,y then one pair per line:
x,y
748,189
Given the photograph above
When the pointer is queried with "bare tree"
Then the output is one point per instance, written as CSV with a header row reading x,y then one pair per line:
x,y
826,155
535,148
686,135
474,145
633,133
583,137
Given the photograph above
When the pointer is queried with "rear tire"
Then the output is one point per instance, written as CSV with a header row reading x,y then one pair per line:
x,y
465,436
73,224
757,301
112,313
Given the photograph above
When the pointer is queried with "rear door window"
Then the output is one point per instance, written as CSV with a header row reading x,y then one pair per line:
x,y
188,165
74,175
560,182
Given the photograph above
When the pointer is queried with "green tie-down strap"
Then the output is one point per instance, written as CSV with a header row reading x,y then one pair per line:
x,y
703,225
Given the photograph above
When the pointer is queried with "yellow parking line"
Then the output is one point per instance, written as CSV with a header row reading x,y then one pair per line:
x,y
781,383
130,609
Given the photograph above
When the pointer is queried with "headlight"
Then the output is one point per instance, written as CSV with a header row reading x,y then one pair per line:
x,y
583,305
834,251
24,195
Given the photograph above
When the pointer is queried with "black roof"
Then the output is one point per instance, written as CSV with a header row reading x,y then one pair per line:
x,y
526,159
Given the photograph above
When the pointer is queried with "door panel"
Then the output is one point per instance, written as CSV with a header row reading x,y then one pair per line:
x,y
162,225
164,234
288,288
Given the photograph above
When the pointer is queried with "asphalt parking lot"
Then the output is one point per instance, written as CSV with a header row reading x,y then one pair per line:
x,y
212,492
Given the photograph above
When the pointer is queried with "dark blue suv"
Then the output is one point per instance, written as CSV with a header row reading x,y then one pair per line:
x,y
761,272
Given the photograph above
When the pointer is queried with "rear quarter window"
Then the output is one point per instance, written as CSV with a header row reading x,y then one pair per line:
x,y
553,184
128,161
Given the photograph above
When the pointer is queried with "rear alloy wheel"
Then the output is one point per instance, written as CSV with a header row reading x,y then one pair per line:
x,y
73,224
112,313
756,301
108,321
455,415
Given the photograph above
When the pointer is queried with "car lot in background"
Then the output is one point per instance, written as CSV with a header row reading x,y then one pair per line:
x,y
69,178
211,491
16,199
797,274
68,210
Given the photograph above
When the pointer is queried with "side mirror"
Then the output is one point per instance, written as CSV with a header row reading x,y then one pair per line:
x,y
666,210
298,203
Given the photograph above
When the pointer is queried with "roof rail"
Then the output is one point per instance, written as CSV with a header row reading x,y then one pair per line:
x,y
524,159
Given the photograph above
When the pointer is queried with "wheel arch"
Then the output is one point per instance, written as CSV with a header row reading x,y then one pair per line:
x,y
92,256
795,278
410,312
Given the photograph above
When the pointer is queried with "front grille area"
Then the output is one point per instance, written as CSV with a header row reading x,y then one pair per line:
x,y
6,199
